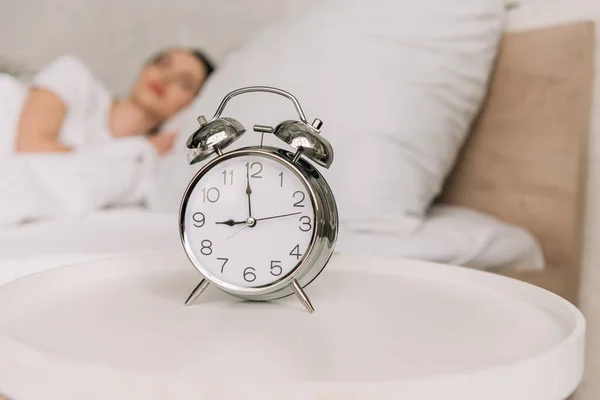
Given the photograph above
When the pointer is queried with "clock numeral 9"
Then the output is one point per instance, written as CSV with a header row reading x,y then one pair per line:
x,y
251,167
302,196
206,247
276,269
212,195
306,223
199,219
296,252
249,275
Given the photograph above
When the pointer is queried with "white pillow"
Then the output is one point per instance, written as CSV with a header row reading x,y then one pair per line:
x,y
458,236
397,84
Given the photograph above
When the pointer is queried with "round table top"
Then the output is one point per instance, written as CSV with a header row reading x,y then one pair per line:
x,y
382,329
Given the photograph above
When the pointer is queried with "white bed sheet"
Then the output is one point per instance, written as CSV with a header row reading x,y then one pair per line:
x,y
450,235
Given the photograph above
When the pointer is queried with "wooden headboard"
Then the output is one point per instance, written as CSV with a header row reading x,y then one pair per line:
x,y
525,160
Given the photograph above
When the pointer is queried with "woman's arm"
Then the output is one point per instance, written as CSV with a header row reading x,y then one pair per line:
x,y
41,118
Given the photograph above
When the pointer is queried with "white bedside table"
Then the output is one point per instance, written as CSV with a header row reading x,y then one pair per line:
x,y
383,329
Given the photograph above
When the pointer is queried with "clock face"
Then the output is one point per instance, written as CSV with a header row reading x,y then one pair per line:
x,y
249,221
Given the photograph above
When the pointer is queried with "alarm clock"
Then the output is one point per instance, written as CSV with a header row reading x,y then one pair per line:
x,y
259,222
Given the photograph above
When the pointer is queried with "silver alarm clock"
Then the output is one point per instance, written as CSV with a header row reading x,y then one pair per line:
x,y
259,222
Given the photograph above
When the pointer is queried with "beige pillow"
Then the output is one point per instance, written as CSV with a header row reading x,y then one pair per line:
x,y
525,159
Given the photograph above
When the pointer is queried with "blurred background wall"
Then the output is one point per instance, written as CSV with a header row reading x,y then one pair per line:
x,y
115,36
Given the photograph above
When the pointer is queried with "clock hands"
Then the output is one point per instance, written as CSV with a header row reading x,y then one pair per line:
x,y
279,216
230,222
248,192
252,221
244,227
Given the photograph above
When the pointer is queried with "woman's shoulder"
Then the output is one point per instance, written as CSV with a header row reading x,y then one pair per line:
x,y
67,65
70,78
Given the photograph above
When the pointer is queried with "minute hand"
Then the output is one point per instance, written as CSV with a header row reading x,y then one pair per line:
x,y
279,216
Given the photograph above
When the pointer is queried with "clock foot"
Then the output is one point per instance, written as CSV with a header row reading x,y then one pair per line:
x,y
302,296
197,292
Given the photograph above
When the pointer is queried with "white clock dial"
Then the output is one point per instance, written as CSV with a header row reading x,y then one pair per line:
x,y
254,239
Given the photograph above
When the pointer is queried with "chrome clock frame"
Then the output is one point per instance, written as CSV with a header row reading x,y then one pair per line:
x,y
319,250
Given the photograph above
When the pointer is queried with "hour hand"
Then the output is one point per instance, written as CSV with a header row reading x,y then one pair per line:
x,y
248,193
230,222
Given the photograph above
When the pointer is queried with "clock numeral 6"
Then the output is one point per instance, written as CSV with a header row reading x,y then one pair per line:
x,y
206,247
276,269
306,223
199,219
296,252
212,195
301,195
249,275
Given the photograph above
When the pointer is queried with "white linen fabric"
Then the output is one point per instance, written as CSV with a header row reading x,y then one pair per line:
x,y
35,187
12,96
396,83
86,99
449,235
104,171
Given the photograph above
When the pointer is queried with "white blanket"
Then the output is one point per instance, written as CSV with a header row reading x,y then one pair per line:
x,y
49,186
449,234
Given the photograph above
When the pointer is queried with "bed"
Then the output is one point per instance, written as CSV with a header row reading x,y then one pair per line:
x,y
524,165
495,174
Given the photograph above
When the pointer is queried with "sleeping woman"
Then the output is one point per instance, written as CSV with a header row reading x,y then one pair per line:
x,y
66,107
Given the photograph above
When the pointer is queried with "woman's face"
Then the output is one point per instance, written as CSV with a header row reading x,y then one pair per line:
x,y
169,83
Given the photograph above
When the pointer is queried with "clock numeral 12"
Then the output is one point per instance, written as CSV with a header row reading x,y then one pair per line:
x,y
250,168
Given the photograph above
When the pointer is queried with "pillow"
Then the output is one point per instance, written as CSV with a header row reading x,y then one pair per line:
x,y
397,84
458,236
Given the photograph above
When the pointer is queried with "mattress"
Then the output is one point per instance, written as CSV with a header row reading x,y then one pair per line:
x,y
450,235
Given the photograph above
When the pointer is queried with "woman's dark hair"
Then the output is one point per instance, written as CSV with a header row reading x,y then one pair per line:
x,y
210,67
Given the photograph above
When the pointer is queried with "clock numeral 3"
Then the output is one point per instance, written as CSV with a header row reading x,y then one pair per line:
x,y
302,196
249,275
306,223
296,252
224,262
276,269
199,219
206,247
251,167
212,195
